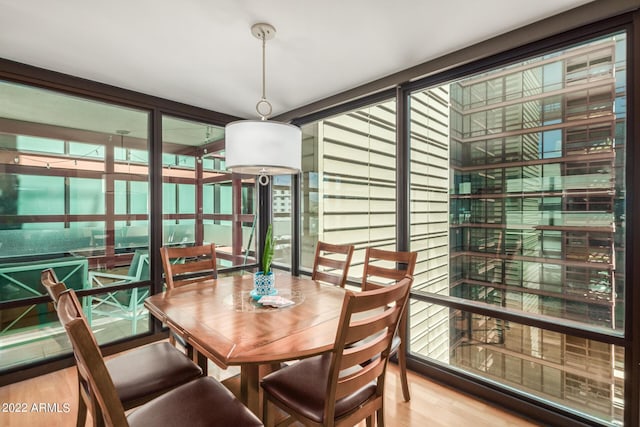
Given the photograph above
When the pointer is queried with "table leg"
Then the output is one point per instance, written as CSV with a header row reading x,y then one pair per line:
x,y
250,387
202,361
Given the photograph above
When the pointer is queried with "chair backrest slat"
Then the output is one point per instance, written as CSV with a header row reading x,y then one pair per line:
x,y
365,352
192,267
360,331
327,278
331,263
336,264
191,259
384,272
375,276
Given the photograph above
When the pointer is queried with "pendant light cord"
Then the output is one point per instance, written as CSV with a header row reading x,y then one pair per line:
x,y
263,101
264,67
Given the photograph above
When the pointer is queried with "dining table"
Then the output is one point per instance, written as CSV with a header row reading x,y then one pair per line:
x,y
224,321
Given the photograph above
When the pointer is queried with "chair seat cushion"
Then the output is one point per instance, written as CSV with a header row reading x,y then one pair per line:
x,y
202,402
303,385
148,371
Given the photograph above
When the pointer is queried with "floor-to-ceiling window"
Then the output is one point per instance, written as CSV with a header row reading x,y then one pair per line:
x,y
349,182
76,196
517,207
518,201
202,202
73,188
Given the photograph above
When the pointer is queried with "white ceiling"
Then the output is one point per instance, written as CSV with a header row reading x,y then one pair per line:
x,y
202,53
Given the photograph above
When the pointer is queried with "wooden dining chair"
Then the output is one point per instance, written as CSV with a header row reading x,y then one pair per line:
x,y
138,375
331,263
345,385
181,264
381,268
201,402
50,282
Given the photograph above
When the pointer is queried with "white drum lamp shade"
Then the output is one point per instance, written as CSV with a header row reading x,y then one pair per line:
x,y
262,147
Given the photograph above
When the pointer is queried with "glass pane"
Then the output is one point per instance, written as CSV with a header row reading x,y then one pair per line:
x,y
282,219
33,332
29,334
111,316
26,193
131,197
86,196
520,204
349,182
202,202
65,196
584,375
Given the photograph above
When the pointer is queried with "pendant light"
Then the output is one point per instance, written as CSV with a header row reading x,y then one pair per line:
x,y
263,147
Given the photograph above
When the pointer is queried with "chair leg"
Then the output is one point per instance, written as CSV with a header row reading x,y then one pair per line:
x,y
380,417
268,412
96,414
402,358
81,420
402,363
188,350
370,421
201,361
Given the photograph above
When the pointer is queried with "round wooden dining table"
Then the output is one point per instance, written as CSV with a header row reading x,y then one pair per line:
x,y
227,325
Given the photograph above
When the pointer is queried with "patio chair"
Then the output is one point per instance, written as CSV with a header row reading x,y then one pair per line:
x,y
22,280
199,402
345,385
329,259
124,304
404,263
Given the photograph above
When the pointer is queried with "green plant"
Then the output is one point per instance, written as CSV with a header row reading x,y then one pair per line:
x,y
267,254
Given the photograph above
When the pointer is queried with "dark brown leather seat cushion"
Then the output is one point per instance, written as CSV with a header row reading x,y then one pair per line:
x,y
303,385
148,371
202,402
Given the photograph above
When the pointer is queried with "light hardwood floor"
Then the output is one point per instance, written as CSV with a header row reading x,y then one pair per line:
x,y
431,404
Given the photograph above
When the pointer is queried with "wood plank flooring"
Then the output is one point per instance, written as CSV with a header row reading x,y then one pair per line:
x,y
431,404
